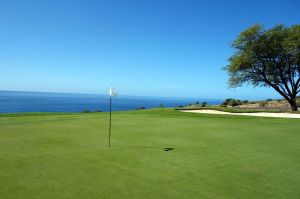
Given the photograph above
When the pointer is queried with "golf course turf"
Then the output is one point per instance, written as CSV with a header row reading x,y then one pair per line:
x,y
157,153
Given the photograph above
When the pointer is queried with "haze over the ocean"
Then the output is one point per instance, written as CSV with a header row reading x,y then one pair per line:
x,y
170,48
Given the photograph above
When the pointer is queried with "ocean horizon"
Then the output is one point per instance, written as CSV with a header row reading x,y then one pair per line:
x,y
27,101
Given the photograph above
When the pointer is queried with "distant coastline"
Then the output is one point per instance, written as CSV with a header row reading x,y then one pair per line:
x,y
26,101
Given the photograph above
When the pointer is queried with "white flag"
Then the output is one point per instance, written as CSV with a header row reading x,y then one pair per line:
x,y
112,92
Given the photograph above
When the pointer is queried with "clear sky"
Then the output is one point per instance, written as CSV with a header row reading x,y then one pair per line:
x,y
171,48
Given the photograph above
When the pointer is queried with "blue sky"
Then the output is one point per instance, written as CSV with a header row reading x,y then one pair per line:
x,y
167,48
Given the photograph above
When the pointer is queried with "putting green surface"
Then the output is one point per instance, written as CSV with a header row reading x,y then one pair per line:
x,y
65,156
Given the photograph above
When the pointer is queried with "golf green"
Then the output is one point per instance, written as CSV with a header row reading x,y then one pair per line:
x,y
208,156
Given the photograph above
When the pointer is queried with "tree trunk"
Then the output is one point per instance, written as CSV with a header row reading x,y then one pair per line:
x,y
293,105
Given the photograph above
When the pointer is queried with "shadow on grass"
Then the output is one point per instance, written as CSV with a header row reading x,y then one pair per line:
x,y
143,147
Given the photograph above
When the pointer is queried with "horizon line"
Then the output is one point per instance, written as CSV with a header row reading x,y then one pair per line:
x,y
195,98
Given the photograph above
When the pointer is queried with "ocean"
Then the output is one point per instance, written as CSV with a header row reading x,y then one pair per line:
x,y
19,101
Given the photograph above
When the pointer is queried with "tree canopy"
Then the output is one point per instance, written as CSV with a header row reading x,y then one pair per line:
x,y
268,58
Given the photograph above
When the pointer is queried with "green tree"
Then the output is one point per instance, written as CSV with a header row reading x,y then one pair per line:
x,y
268,58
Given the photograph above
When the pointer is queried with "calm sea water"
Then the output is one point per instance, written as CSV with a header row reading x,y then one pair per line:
x,y
16,101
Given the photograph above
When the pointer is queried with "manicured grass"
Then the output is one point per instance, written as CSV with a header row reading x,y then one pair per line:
x,y
214,156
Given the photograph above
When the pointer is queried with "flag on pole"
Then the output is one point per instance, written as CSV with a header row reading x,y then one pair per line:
x,y
112,92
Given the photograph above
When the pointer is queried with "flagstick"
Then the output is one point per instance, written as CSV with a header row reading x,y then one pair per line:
x,y
109,121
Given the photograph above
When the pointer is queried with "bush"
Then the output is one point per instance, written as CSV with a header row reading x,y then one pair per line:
x,y
190,104
85,111
203,104
141,108
179,106
161,106
245,101
197,103
268,100
233,102
226,102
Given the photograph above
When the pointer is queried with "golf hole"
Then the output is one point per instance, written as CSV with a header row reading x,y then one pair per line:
x,y
168,149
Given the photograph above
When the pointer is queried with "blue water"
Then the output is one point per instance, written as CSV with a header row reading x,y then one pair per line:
x,y
17,101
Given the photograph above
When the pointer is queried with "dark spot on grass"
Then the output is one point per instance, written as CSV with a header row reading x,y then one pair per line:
x,y
168,149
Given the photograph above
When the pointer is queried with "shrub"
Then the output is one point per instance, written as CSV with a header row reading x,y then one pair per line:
x,y
233,102
179,106
141,108
203,104
85,111
226,102
190,104
197,102
268,100
245,101
161,106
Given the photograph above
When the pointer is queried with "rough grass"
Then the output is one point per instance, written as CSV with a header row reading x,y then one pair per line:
x,y
235,110
214,156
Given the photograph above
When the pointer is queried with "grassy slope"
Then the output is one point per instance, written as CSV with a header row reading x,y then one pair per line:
x,y
63,156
